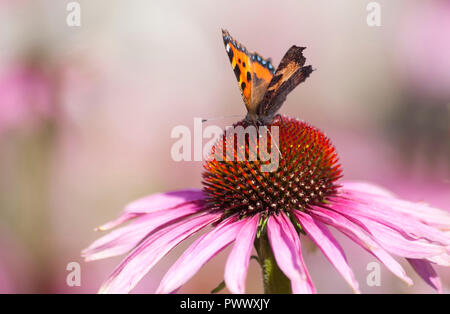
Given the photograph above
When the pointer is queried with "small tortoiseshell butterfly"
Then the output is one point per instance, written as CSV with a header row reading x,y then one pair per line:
x,y
263,88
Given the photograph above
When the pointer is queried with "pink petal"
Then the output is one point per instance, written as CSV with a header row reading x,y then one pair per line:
x,y
162,201
126,238
425,213
429,215
399,244
442,260
237,262
154,202
124,217
286,248
323,238
125,277
358,236
199,253
359,205
427,272
367,187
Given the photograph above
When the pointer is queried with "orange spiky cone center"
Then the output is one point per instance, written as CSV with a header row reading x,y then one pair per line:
x,y
306,174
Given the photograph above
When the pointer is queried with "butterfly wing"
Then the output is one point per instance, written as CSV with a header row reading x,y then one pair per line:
x,y
253,72
288,75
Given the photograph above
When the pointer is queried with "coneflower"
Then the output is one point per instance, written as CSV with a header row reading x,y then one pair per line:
x,y
269,209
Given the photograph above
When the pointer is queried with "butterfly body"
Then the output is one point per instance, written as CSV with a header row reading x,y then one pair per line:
x,y
264,88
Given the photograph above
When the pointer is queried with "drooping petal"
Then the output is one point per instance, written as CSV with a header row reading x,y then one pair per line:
x,y
366,187
429,215
323,238
151,250
162,201
420,210
237,262
355,233
152,203
124,239
286,249
123,218
442,260
399,244
199,253
427,272
358,205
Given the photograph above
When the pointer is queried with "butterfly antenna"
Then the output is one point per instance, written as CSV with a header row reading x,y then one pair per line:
x,y
220,118
275,142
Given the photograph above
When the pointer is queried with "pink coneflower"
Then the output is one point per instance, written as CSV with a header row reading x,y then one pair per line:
x,y
25,96
268,211
423,35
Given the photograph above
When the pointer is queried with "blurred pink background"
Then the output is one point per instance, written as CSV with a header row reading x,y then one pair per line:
x,y
86,114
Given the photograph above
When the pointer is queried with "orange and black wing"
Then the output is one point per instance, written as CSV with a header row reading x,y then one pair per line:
x,y
253,72
288,75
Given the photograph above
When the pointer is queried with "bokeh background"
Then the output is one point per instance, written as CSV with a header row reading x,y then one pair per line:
x,y
86,114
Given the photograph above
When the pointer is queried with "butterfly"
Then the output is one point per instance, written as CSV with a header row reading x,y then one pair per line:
x,y
264,88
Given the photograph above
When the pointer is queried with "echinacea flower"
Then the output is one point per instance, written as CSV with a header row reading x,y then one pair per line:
x,y
268,210
25,96
423,25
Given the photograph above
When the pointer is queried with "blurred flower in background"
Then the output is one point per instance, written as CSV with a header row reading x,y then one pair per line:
x,y
28,113
15,265
420,124
25,96
423,48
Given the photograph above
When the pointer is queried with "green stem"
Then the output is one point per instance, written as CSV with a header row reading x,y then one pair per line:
x,y
275,282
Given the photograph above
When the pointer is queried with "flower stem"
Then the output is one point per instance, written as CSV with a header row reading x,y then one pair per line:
x,y
275,282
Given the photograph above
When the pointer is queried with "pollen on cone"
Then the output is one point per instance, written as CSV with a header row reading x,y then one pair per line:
x,y
305,175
